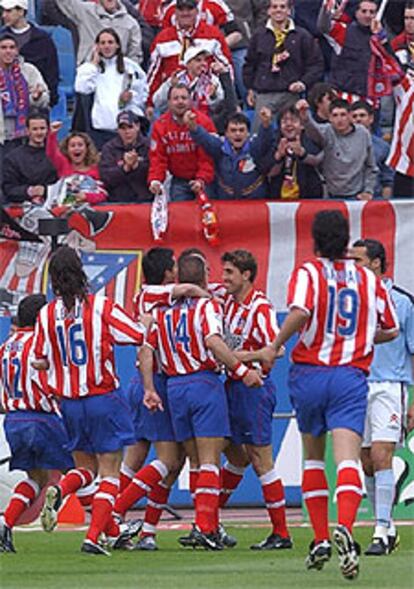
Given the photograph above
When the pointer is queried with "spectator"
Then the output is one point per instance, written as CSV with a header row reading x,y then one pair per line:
x,y
401,157
173,150
363,114
217,13
116,83
357,45
91,17
170,45
76,159
282,61
348,164
295,171
124,162
205,87
320,98
237,157
35,46
27,169
21,86
249,15
403,44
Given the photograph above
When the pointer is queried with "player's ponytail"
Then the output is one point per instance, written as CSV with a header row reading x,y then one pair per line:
x,y
68,278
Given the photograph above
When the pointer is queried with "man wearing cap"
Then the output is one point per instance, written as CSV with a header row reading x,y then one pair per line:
x,y
124,161
205,87
91,18
173,150
170,45
34,45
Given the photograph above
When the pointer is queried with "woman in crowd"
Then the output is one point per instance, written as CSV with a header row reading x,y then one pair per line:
x,y
76,159
117,83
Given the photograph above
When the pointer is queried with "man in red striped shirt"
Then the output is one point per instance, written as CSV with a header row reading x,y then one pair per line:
x,y
33,425
188,336
74,340
340,310
250,327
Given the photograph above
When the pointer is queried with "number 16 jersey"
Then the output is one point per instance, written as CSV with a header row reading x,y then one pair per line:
x,y
345,304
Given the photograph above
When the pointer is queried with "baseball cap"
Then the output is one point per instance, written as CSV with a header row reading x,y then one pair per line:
x,y
186,4
9,4
192,52
127,117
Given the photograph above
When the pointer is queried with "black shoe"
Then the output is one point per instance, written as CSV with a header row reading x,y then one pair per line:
x,y
127,531
6,539
225,538
207,541
189,541
348,551
393,543
318,554
273,542
377,548
89,547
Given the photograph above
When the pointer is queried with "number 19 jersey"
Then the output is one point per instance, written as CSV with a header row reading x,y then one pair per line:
x,y
345,304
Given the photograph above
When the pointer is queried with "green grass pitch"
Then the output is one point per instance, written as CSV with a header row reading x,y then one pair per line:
x,y
54,561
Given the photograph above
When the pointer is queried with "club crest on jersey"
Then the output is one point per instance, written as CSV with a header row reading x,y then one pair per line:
x,y
234,341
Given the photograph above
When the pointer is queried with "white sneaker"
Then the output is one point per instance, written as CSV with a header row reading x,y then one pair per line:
x,y
348,551
49,513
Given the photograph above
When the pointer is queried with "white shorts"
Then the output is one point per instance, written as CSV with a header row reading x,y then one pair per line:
x,y
386,413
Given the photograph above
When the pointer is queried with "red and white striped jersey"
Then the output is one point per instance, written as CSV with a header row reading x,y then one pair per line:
x,y
22,387
401,155
345,305
213,12
180,335
250,324
151,296
79,344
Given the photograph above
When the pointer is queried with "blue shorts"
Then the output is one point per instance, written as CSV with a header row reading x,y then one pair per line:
x,y
157,426
251,412
198,406
327,398
37,440
134,395
98,424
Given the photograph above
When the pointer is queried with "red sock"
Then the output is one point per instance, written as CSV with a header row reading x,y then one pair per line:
x,y
112,527
86,494
75,479
316,494
24,494
274,496
125,477
348,492
102,507
141,485
155,505
230,477
207,498
193,482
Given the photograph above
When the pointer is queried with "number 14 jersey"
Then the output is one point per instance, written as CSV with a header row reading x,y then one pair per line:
x,y
345,304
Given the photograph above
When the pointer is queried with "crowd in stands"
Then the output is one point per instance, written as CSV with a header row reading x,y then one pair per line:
x,y
238,99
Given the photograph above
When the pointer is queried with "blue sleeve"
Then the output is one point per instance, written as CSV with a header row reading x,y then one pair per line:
x,y
208,141
409,327
262,143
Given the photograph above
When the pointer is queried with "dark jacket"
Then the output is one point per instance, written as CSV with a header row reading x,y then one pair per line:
x,y
349,69
305,62
308,176
41,51
125,186
238,174
23,167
